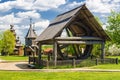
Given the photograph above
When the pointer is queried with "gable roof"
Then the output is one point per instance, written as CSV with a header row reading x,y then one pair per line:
x,y
31,33
63,20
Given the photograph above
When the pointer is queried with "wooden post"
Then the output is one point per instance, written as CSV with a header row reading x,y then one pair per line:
x,y
102,50
55,53
39,53
73,63
47,62
29,60
96,61
48,57
116,60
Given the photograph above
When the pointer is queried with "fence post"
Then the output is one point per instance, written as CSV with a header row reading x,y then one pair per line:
x,y
29,60
96,61
48,57
73,63
116,60
33,60
47,62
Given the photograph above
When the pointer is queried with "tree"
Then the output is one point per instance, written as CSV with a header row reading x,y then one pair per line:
x,y
113,28
7,42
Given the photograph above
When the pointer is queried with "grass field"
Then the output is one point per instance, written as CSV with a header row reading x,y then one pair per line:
x,y
14,58
7,75
106,66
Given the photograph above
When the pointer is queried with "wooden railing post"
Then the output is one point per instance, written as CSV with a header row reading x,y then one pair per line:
x,y
73,63
47,62
116,60
96,61
29,60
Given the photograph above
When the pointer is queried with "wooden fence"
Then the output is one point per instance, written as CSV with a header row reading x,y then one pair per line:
x,y
74,63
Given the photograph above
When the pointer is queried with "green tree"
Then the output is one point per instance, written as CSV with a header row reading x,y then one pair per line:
x,y
7,42
113,28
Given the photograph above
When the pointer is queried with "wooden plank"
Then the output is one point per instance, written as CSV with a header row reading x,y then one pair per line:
x,y
89,20
78,38
79,42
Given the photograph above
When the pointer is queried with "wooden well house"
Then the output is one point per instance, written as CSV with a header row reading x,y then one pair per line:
x,y
81,28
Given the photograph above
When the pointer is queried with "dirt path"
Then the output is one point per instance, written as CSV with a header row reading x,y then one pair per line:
x,y
13,65
23,66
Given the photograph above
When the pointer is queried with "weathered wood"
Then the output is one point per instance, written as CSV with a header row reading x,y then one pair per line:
x,y
73,63
39,53
68,33
77,38
60,53
116,60
102,50
79,42
55,53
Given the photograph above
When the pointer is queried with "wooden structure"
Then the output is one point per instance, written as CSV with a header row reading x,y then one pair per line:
x,y
18,50
30,44
81,28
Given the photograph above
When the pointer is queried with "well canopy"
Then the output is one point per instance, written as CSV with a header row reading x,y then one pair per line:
x,y
79,21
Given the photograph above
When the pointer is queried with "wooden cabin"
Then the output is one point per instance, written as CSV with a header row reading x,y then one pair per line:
x,y
18,50
81,28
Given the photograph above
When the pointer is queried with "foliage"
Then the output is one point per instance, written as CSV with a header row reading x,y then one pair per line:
x,y
114,50
25,75
96,50
7,42
113,28
69,49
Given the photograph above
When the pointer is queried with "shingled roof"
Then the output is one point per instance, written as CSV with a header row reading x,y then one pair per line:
x,y
31,33
64,20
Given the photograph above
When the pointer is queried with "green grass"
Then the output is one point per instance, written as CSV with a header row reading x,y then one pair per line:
x,y
7,75
14,58
107,66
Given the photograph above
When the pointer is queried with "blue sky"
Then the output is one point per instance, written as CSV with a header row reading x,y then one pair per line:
x,y
18,12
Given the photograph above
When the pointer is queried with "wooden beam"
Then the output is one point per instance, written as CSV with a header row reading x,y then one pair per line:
x,y
77,38
39,53
55,53
68,33
102,50
79,42
90,22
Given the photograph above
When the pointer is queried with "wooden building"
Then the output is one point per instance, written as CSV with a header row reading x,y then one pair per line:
x,y
81,28
18,50
30,44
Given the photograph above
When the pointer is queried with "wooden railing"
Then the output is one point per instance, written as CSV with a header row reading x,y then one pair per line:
x,y
74,63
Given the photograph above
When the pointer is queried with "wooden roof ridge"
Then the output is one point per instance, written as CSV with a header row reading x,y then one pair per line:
x,y
70,10
31,33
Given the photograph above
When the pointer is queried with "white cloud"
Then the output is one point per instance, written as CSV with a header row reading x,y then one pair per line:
x,y
4,27
9,19
41,5
32,14
5,6
41,25
102,6
47,4
97,6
